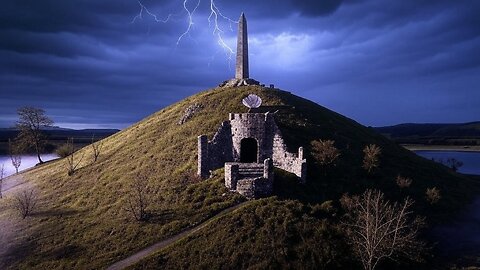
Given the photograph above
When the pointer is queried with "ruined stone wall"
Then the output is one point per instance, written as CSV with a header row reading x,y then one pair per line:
x,y
213,154
231,175
290,162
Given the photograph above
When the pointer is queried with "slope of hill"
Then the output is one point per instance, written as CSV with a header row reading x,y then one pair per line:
x,y
81,222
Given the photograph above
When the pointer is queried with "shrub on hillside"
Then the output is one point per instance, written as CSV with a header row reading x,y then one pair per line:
x,y
433,195
403,182
63,150
25,202
454,164
371,158
96,149
378,229
325,152
138,198
72,162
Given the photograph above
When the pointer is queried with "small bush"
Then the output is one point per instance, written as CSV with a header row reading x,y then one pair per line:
x,y
433,195
25,202
139,198
454,164
63,150
321,210
403,182
325,152
371,159
71,161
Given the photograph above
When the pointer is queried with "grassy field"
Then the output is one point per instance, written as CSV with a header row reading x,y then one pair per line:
x,y
81,222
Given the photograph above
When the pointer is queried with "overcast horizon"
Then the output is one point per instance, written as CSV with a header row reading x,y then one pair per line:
x,y
98,64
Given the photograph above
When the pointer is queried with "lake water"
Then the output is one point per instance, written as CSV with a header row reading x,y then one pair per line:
x,y
471,160
28,161
462,236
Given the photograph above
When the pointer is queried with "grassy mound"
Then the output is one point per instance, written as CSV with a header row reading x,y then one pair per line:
x,y
82,223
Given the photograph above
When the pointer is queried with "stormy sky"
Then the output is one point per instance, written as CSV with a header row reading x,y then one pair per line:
x,y
97,64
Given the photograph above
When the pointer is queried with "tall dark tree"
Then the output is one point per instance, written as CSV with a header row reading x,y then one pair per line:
x,y
31,122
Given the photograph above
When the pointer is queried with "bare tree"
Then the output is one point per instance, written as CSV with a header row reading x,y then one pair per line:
x,y
433,195
30,123
96,148
15,157
71,161
2,175
371,158
379,230
403,182
138,198
454,164
25,202
325,152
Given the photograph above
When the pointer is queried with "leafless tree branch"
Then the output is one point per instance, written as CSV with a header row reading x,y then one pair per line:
x,y
378,229
25,202
72,164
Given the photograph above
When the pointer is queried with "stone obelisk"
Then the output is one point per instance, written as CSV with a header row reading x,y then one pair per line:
x,y
241,68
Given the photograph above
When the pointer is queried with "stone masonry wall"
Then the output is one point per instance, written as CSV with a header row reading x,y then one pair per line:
x,y
255,188
252,125
213,154
231,175
290,162
226,145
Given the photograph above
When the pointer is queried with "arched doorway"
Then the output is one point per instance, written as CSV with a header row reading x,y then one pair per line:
x,y
248,150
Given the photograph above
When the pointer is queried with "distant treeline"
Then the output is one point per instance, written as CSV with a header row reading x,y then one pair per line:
x,y
434,134
57,137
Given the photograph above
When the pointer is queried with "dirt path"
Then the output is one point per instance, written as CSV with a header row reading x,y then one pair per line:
x,y
11,183
164,243
8,226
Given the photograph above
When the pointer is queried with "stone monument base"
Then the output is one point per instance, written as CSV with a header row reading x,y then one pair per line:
x,y
239,82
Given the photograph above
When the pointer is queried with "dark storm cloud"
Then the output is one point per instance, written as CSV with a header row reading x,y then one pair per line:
x,y
86,63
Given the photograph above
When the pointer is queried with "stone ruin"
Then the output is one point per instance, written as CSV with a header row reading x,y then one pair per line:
x,y
249,146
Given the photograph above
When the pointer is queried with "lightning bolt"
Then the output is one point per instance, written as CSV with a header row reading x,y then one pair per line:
x,y
190,19
215,13
214,18
143,8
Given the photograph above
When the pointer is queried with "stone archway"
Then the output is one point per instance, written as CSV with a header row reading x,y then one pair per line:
x,y
248,150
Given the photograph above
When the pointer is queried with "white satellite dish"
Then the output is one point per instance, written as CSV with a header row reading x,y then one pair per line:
x,y
252,101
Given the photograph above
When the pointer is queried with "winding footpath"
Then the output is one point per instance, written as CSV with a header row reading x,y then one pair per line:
x,y
9,227
166,242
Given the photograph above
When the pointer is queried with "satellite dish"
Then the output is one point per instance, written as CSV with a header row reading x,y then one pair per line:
x,y
252,101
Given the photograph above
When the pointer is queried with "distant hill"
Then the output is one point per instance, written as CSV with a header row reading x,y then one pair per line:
x,y
57,136
83,224
435,134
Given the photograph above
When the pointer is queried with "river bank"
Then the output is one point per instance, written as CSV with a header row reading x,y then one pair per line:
x,y
457,148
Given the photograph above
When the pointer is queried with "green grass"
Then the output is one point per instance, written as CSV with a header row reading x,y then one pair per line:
x,y
81,222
